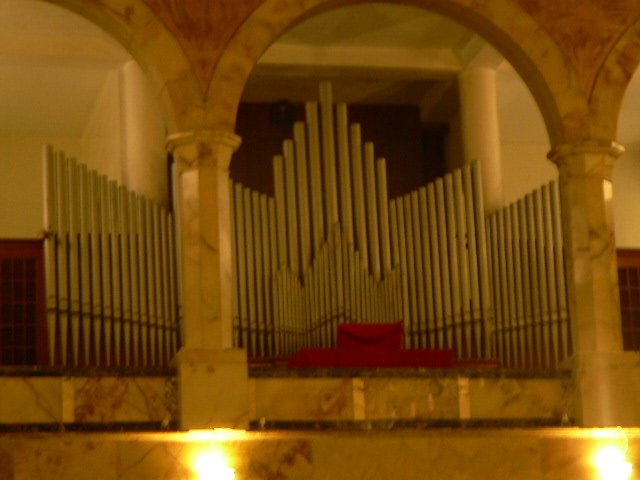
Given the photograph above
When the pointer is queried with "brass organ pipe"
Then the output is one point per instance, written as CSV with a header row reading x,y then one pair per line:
x,y
383,205
346,219
551,273
266,275
482,259
426,266
454,272
273,249
251,272
242,268
517,336
411,270
444,263
303,194
509,327
258,243
315,173
527,334
543,287
358,192
463,262
51,254
235,313
281,219
560,273
473,240
435,262
292,208
328,156
418,251
372,201
535,291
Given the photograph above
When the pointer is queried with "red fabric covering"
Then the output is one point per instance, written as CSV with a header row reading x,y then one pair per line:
x,y
382,335
372,357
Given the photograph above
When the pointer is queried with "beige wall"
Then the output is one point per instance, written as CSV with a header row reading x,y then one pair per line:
x,y
525,166
143,136
101,139
125,135
123,139
626,199
21,178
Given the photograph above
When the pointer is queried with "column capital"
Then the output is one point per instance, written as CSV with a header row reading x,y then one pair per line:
x,y
194,148
586,158
610,149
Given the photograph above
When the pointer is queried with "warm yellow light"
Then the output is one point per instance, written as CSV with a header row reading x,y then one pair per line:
x,y
211,465
612,464
216,435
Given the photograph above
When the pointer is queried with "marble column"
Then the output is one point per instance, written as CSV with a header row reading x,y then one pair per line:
x,y
605,378
212,375
480,130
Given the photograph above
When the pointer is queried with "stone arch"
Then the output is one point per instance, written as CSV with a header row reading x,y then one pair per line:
x,y
503,23
611,84
138,29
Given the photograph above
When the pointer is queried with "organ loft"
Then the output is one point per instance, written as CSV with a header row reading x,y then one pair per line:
x,y
259,239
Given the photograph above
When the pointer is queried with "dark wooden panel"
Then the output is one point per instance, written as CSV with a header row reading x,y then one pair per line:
x,y
629,281
23,338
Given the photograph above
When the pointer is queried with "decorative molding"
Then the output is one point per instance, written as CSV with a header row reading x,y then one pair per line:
x,y
196,147
610,149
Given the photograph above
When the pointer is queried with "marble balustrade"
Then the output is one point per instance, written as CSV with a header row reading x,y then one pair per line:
x,y
297,398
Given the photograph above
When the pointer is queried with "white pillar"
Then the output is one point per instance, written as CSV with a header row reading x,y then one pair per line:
x,y
480,130
212,375
606,380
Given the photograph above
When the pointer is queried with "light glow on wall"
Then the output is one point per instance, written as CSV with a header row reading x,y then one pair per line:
x,y
212,465
612,464
610,458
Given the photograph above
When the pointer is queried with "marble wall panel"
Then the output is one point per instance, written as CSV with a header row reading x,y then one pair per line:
x,y
411,398
30,400
304,399
60,457
124,399
462,454
504,398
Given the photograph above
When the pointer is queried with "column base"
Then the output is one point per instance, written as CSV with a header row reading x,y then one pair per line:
x,y
213,388
607,389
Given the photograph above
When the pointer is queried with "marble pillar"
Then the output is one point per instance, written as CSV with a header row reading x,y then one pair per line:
x,y
605,377
212,375
480,130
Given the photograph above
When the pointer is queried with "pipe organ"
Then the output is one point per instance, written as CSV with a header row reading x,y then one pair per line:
x,y
331,247
328,247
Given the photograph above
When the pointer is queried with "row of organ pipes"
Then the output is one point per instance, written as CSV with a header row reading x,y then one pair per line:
x,y
331,247
111,272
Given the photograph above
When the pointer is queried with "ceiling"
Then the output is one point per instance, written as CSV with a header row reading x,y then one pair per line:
x,y
54,63
380,53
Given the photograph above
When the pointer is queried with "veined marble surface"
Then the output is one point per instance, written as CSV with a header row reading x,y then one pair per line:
x,y
123,399
404,398
30,400
546,454
101,399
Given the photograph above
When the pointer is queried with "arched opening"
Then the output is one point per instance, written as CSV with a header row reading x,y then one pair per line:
x,y
626,182
403,73
386,54
66,83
